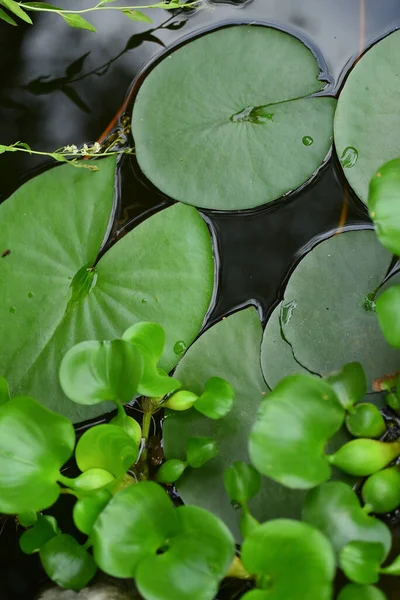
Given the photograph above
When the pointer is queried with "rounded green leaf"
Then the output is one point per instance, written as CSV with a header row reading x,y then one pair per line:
x,y
194,561
387,309
34,445
363,457
129,425
335,509
246,108
49,286
200,450
289,555
242,482
182,400
384,202
365,420
349,383
27,519
381,491
171,470
393,568
217,399
106,447
87,509
328,324
294,424
67,563
34,538
352,591
92,479
149,338
361,561
92,372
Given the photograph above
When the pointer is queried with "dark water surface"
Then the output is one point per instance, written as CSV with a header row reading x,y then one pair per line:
x,y
50,98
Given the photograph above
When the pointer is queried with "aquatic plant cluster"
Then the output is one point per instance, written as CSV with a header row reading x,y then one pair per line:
x,y
288,465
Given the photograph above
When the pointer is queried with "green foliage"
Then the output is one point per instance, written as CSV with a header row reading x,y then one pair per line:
x,y
349,384
365,457
242,482
352,591
360,561
87,509
67,563
381,491
171,470
200,450
387,309
42,531
365,420
383,204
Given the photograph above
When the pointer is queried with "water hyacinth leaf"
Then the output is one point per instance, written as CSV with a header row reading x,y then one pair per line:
x,y
364,457
92,479
349,383
242,482
92,372
129,425
4,391
87,509
256,141
78,22
328,324
293,426
369,96
387,309
383,204
67,563
335,509
149,338
34,445
182,400
352,591
381,491
366,420
289,555
27,519
217,399
171,470
360,561
34,538
200,450
56,297
229,349
393,568
106,447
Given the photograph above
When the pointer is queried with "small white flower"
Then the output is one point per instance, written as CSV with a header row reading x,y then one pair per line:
x,y
72,149
85,150
96,147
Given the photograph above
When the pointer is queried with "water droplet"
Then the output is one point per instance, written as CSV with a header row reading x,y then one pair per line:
x,y
349,157
307,140
180,347
287,311
12,309
30,294
144,301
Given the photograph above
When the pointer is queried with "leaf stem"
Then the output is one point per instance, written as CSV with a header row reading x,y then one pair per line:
x,y
100,7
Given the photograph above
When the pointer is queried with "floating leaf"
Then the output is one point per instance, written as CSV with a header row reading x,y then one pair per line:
x,y
242,482
289,555
367,114
383,204
182,400
294,424
200,450
360,561
335,509
67,563
248,129
381,491
47,289
352,591
129,425
171,470
349,384
366,420
34,445
332,295
87,509
77,21
217,399
34,538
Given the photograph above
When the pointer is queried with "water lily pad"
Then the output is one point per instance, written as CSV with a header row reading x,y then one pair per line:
x,y
331,296
236,127
367,115
230,349
53,298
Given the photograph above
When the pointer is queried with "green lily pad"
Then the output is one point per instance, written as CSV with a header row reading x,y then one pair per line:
x,y
52,298
352,591
367,115
237,127
328,312
230,349
361,561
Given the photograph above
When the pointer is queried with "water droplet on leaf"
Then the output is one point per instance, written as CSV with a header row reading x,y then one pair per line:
x,y
307,140
180,347
30,294
144,301
349,157
287,311
12,309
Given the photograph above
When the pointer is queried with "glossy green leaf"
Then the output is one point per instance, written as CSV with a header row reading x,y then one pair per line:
x,y
387,309
381,491
92,479
200,450
5,17
47,306
217,399
369,97
294,424
129,425
106,447
242,482
352,591
365,420
360,561
363,457
335,509
182,400
67,563
149,338
383,204
349,384
137,15
16,9
289,555
256,141
74,20
36,537
171,470
247,523
329,323
92,372
87,509
4,391
34,445
27,519
393,568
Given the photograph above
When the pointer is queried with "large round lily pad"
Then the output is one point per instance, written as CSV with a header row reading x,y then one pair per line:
x,y
227,121
52,298
328,311
368,114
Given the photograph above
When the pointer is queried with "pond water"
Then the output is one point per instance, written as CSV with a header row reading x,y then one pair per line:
x,y
48,103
